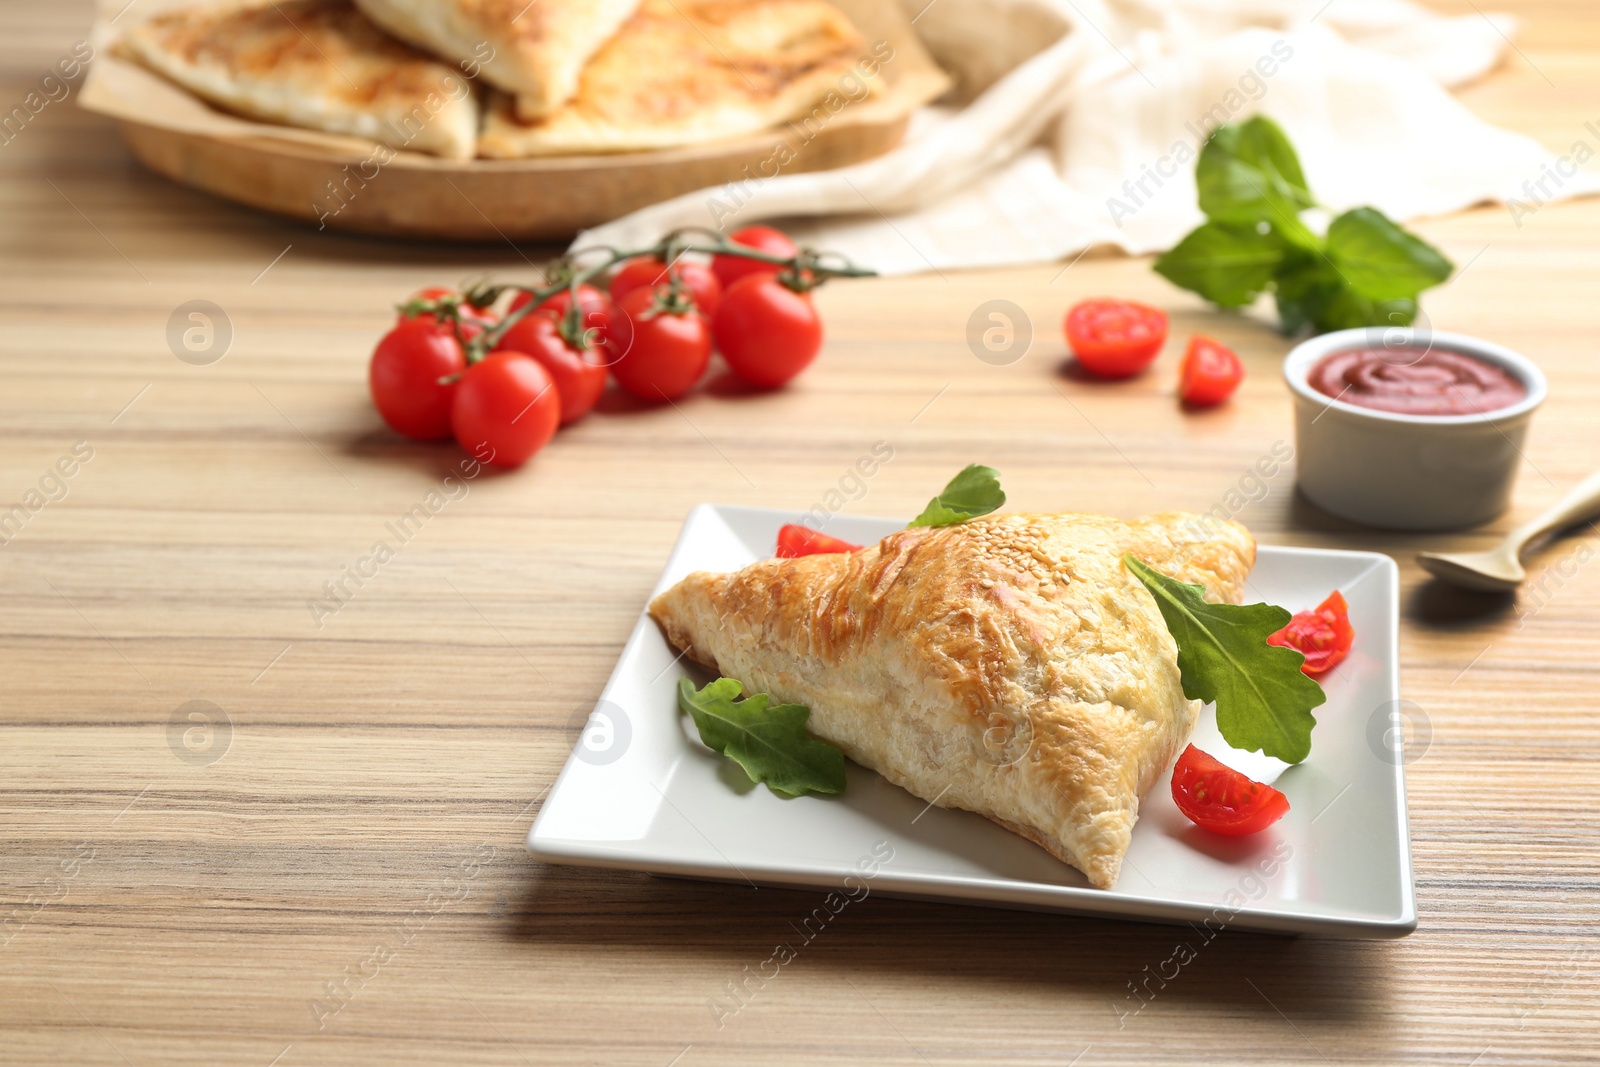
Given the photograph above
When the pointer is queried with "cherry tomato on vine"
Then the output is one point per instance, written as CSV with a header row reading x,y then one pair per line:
x,y
766,331
1218,798
1324,636
795,540
595,305
405,374
730,269
1115,338
469,330
580,376
506,408
1209,373
439,292
659,353
646,272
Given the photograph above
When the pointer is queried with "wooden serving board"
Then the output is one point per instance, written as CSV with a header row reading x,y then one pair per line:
x,y
332,181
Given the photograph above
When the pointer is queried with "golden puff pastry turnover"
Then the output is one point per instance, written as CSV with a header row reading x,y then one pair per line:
x,y
687,71
533,49
1010,665
319,64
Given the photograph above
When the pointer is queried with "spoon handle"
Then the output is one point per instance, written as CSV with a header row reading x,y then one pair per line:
x,y
1583,502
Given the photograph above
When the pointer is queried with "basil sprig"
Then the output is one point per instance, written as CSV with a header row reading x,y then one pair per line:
x,y
1365,271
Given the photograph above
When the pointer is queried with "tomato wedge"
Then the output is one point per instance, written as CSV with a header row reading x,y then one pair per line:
x,y
795,540
1209,373
1323,636
1218,798
1115,338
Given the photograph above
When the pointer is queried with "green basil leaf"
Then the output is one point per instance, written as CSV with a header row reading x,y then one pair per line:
x,y
1227,264
975,491
1346,309
1249,173
1312,290
1263,698
1379,260
1302,289
1263,143
768,740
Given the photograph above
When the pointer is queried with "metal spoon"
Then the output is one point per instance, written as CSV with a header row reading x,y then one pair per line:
x,y
1499,570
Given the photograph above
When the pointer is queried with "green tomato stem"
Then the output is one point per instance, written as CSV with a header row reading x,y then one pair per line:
x,y
802,272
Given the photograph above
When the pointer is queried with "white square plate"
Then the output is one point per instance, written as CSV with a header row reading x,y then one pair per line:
x,y
640,791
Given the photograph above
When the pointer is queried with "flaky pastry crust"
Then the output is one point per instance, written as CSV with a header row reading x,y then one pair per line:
x,y
318,64
685,71
532,48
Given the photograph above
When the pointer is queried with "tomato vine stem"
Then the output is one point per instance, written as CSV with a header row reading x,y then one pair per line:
x,y
801,272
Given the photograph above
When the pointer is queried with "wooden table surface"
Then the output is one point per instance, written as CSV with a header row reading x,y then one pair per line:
x,y
165,902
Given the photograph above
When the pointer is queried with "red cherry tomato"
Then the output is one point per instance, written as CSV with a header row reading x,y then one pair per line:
x,y
659,354
730,269
595,305
405,378
1209,373
1115,338
795,540
1324,635
1220,799
580,377
646,272
506,408
766,331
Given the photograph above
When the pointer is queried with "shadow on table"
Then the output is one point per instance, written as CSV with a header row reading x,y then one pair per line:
x,y
1129,967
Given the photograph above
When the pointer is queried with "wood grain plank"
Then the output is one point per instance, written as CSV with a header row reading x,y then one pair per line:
x,y
183,912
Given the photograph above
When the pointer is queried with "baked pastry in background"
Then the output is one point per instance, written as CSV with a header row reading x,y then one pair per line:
x,y
319,64
533,49
686,71
1010,665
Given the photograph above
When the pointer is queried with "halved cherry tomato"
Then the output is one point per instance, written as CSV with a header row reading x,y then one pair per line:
x,y
580,377
646,272
658,354
505,409
1115,338
730,269
595,305
405,377
795,540
766,331
1324,636
1209,373
1218,798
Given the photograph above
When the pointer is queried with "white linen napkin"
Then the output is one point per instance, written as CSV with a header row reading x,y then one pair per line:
x,y
1075,123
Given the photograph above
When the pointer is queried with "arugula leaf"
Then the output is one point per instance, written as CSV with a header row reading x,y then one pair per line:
x,y
768,740
975,491
1226,263
1263,699
1249,173
1379,260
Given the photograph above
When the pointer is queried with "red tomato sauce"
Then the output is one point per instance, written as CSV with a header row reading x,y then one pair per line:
x,y
1415,381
